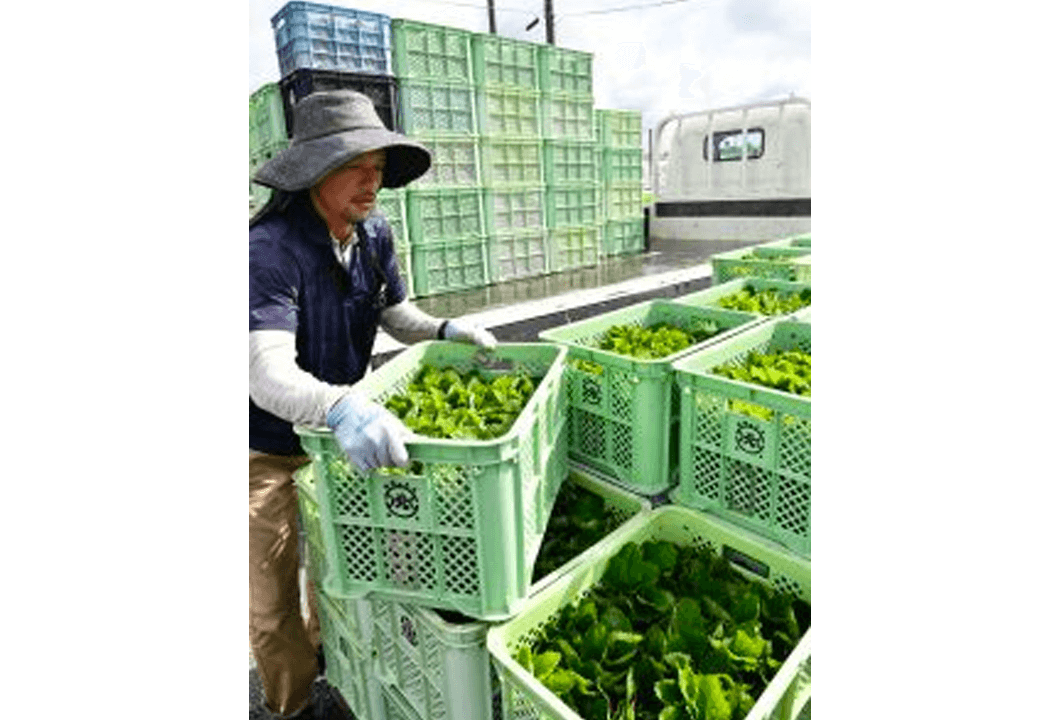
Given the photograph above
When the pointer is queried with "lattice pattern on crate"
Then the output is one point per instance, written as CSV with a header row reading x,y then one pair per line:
x,y
508,113
618,128
328,22
623,166
515,208
454,162
571,161
566,71
447,265
396,710
573,205
437,214
764,262
500,61
426,51
757,469
574,247
510,161
311,35
623,201
514,255
434,108
568,118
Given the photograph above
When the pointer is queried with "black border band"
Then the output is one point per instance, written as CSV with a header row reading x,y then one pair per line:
x,y
787,207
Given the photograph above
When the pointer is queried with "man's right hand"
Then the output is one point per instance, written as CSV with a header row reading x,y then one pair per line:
x,y
370,435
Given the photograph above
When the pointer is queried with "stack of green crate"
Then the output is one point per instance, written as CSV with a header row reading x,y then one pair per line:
x,y
619,137
392,203
573,191
444,213
268,135
508,108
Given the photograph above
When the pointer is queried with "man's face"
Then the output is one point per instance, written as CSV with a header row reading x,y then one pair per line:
x,y
348,193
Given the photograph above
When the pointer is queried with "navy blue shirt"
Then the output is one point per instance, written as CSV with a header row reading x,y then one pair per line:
x,y
297,284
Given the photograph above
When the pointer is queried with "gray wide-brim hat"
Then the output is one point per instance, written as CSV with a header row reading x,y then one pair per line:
x,y
330,129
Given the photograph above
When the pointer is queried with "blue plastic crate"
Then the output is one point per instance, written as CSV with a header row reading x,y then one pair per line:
x,y
326,37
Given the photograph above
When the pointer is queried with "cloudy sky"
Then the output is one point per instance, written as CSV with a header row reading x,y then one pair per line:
x,y
664,56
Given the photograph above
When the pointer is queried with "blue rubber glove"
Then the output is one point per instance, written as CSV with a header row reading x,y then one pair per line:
x,y
463,331
369,434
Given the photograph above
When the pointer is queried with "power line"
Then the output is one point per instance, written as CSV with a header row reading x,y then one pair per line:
x,y
620,9
477,6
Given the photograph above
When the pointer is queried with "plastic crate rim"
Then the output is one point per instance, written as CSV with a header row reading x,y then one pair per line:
x,y
750,319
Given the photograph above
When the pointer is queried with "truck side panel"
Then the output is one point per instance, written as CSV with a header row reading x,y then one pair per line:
x,y
737,173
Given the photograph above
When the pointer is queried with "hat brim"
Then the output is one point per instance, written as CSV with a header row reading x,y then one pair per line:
x,y
304,164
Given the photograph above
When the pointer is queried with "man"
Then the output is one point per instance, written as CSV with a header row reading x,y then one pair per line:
x,y
323,277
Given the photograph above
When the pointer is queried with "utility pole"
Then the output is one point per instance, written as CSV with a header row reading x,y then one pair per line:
x,y
493,17
550,36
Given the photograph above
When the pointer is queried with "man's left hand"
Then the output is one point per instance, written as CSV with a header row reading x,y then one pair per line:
x,y
463,331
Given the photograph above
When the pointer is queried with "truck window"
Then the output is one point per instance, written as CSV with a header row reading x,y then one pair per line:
x,y
729,145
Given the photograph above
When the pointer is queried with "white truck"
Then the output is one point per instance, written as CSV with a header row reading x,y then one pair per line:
x,y
731,174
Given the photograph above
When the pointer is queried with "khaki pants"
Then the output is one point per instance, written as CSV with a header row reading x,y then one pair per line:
x,y
284,644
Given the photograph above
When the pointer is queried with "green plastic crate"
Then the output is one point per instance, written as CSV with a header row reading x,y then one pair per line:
x,y
623,201
623,237
434,108
511,161
574,247
395,707
436,214
403,251
623,165
349,670
259,194
790,264
711,296
524,697
567,117
750,471
267,123
463,533
795,241
392,203
563,70
498,61
517,254
571,161
572,204
265,153
622,420
345,622
423,51
508,113
618,128
449,264
454,162
316,560
514,208
437,666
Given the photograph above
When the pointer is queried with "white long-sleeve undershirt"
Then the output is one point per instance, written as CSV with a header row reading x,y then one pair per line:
x,y
279,386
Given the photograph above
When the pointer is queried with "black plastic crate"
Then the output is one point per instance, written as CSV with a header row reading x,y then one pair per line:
x,y
382,89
